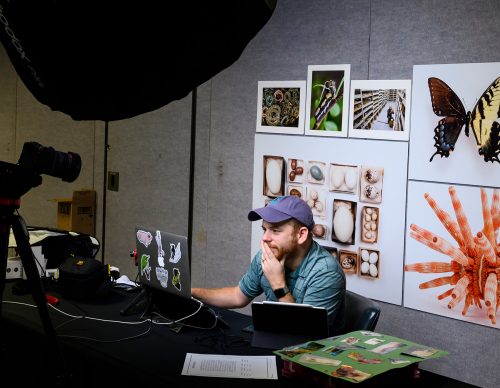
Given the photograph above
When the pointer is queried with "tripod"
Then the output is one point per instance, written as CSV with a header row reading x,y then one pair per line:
x,y
14,183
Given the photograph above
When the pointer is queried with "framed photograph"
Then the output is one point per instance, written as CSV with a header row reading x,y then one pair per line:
x,y
380,109
327,100
455,158
281,107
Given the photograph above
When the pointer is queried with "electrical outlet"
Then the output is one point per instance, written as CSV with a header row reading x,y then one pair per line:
x,y
14,268
113,180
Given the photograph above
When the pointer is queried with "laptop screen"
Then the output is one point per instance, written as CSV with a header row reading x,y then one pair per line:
x,y
163,261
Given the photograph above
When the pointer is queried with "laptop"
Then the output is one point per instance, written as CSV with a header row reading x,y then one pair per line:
x,y
163,261
277,325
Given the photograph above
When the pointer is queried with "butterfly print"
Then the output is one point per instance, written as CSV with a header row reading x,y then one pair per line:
x,y
484,119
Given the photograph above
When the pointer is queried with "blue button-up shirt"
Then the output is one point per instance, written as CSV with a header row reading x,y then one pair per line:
x,y
319,281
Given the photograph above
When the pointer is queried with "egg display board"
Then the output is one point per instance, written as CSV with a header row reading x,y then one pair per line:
x,y
356,189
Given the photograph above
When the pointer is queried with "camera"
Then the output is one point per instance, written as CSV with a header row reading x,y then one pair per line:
x,y
46,160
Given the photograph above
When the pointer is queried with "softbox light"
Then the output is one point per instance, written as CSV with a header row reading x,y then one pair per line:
x,y
102,60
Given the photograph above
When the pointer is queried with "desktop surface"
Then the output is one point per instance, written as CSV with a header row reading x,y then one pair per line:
x,y
155,356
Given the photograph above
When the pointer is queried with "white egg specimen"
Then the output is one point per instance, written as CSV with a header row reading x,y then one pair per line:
x,y
338,177
351,178
365,267
373,257
273,176
368,235
373,225
373,270
343,224
319,206
374,216
365,255
369,210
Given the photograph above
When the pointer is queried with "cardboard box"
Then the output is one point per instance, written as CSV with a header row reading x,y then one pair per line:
x,y
83,211
63,213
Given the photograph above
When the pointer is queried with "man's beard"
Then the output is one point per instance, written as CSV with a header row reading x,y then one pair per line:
x,y
284,252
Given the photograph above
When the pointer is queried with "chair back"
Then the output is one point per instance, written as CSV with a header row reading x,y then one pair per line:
x,y
361,313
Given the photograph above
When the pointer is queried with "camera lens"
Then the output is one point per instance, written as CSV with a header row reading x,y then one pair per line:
x,y
46,160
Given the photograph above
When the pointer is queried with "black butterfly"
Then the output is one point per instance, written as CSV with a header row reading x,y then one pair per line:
x,y
484,119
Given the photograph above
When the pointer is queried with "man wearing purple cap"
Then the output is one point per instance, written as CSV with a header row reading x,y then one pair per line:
x,y
290,267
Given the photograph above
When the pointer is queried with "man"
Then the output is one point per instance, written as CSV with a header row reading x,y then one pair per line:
x,y
289,267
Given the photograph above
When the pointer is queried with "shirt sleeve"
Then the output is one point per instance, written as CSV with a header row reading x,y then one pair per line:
x,y
250,282
326,289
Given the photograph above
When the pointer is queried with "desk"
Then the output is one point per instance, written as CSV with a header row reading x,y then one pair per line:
x,y
155,358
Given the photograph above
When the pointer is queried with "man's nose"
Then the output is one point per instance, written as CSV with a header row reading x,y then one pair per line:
x,y
266,236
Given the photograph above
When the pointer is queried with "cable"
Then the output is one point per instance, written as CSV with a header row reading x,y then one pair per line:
x,y
76,318
178,321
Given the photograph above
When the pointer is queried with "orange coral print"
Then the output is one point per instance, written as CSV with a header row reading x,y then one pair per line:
x,y
474,264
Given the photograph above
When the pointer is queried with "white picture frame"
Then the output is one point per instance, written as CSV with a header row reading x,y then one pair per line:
x,y
334,118
464,165
281,107
380,109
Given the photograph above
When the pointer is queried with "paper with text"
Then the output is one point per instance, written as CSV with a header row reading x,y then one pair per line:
x,y
245,367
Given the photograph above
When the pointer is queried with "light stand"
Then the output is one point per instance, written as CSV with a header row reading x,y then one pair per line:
x,y
14,182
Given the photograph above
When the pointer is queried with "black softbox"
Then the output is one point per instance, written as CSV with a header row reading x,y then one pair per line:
x,y
103,60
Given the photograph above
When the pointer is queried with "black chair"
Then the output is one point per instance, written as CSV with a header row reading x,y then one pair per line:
x,y
361,313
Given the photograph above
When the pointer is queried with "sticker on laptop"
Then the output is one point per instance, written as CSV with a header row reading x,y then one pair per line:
x,y
161,253
175,253
145,267
162,276
176,279
144,237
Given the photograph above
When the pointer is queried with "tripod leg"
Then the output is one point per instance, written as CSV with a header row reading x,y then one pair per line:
x,y
4,251
33,277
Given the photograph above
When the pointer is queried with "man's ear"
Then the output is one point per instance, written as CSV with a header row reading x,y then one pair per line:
x,y
303,234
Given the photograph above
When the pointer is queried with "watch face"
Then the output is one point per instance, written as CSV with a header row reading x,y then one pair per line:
x,y
281,292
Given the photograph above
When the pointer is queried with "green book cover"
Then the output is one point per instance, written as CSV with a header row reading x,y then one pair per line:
x,y
358,355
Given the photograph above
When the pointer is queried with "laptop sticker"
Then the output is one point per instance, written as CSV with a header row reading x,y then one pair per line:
x,y
162,276
161,253
176,279
145,267
144,237
175,253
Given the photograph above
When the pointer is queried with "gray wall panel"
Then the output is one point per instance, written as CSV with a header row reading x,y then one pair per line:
x,y
7,109
151,154
36,122
407,33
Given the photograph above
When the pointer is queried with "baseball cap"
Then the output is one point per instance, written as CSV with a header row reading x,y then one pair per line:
x,y
284,208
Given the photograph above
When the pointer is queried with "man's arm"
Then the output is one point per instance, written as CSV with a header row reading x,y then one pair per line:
x,y
227,297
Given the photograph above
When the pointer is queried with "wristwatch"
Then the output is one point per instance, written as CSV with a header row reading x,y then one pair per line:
x,y
281,292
